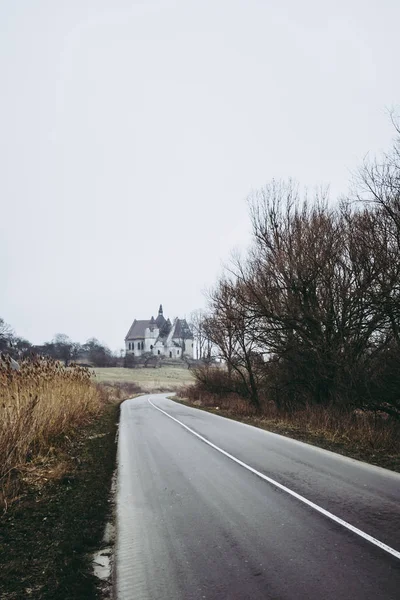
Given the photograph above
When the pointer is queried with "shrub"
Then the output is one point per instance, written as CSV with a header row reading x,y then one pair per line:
x,y
217,380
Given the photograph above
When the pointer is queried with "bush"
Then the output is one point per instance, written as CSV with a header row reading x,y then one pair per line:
x,y
130,361
217,380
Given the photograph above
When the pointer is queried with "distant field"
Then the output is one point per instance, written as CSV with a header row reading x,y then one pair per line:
x,y
165,378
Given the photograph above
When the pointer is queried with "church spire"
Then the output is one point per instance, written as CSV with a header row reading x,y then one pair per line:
x,y
160,310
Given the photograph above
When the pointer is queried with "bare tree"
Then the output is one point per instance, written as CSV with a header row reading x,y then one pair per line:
x,y
229,327
316,298
6,335
63,348
203,345
378,181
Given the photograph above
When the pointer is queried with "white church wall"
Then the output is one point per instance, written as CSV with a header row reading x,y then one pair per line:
x,y
189,347
134,347
150,338
158,349
173,352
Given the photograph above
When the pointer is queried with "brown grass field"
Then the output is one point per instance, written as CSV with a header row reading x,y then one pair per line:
x,y
166,379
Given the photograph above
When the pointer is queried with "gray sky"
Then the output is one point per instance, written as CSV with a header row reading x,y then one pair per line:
x,y
132,133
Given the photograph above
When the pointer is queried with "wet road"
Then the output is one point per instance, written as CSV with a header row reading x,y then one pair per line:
x,y
215,509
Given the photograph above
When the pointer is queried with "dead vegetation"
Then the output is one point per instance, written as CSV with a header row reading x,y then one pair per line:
x,y
49,533
41,403
57,442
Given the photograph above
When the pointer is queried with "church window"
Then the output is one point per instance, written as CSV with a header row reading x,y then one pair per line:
x,y
142,345
158,352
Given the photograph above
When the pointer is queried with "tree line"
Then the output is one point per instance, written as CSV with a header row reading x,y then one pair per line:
x,y
61,347
311,313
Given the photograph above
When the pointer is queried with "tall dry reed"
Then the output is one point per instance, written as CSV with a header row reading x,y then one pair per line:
x,y
38,403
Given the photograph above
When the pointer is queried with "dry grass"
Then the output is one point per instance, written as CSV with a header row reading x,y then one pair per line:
x,y
48,536
364,435
166,379
57,436
38,404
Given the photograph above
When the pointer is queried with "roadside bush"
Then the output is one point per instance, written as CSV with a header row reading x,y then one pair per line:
x,y
217,380
231,403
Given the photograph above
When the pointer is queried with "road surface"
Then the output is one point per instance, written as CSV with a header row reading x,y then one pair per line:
x,y
208,508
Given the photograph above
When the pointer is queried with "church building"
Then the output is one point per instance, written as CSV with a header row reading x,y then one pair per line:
x,y
160,337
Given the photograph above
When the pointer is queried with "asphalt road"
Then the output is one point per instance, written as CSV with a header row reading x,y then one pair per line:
x,y
194,523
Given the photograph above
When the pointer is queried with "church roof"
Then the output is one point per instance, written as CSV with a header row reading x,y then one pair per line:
x,y
138,328
160,319
182,330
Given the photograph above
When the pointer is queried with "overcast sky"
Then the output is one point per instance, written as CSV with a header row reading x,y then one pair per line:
x,y
132,132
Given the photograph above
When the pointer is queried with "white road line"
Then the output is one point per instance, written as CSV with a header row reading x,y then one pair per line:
x,y
319,509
